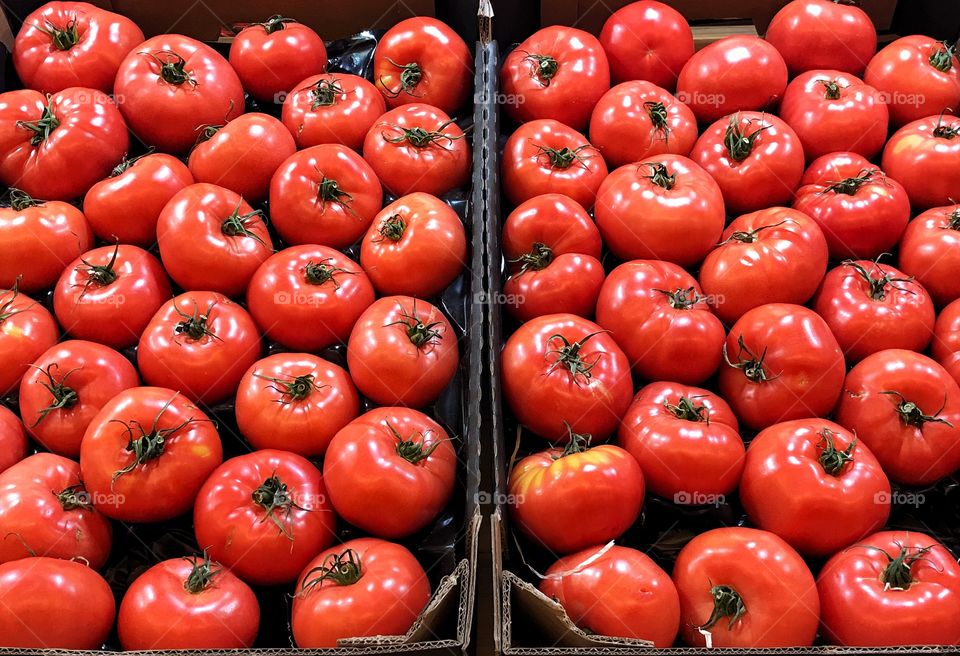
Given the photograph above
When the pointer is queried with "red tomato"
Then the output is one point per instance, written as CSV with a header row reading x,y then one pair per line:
x,y
418,148
893,588
383,457
647,40
364,587
823,34
332,108
125,206
687,442
308,286
734,73
665,207
796,469
918,75
416,245
871,307
906,409
422,60
924,157
146,454
830,111
199,343
657,314
930,252
13,440
45,509
946,340
402,352
552,221
558,73
561,372
271,57
264,515
56,147
782,363
778,254
861,216
39,602
597,489
211,239
616,592
744,588
756,159
172,85
832,167
635,120
547,157
324,195
108,295
72,44
295,402
188,603
65,389
27,329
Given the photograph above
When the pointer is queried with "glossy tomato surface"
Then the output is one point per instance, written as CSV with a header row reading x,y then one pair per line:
x,y
27,329
930,252
332,108
647,40
271,57
922,156
823,34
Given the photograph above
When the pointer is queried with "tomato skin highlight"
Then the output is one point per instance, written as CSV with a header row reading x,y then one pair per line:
x,y
647,40
922,157
929,251
332,108
821,34
271,57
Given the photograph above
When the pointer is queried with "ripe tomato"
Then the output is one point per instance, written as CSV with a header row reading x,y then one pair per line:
x,y
211,239
664,207
171,85
756,159
871,307
199,343
616,592
416,245
553,222
823,34
832,167
324,195
919,76
271,57
146,454
893,588
46,510
745,588
27,329
831,110
125,206
72,44
796,469
636,120
66,387
188,603
363,587
558,73
108,295
56,147
598,489
906,409
687,442
734,73
778,254
422,60
385,456
547,157
560,373
264,515
34,591
332,108
930,252
946,340
657,314
417,147
402,352
13,440
782,363
313,286
295,402
647,40
922,156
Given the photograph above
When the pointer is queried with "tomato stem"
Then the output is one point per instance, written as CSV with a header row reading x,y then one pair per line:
x,y
576,442
42,127
569,356
273,495
421,138
419,333
897,574
236,224
74,497
738,143
410,448
325,93
945,131
195,325
410,76
6,310
172,67
317,273
942,58
338,569
832,89
393,228
206,133
62,38
275,23
565,157
147,445
750,236
688,410
682,299
202,573
727,602
850,186
295,388
328,190
539,258
127,162
544,68
100,275
752,367
21,200
63,396
953,222
912,415
660,176
659,117
878,284
832,459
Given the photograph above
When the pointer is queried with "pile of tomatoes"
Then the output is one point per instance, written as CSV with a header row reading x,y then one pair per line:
x,y
173,268
732,278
